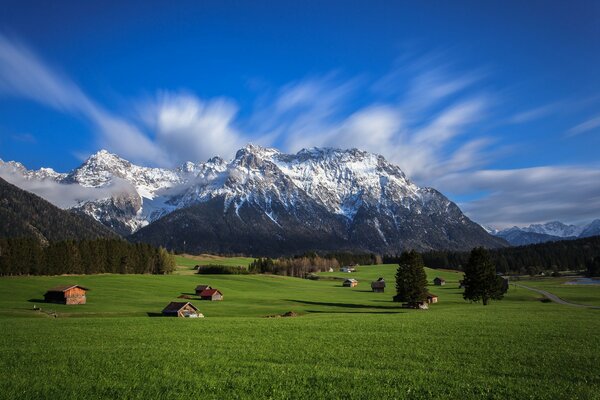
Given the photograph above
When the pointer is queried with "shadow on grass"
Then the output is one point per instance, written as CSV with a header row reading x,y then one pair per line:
x,y
354,312
36,300
344,305
154,314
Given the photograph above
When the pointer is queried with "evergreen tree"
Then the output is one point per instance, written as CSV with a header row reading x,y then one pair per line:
x,y
411,281
480,279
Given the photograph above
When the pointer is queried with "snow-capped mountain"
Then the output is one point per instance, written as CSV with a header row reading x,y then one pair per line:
x,y
550,231
344,198
555,228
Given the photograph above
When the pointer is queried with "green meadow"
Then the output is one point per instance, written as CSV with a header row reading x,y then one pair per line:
x,y
346,343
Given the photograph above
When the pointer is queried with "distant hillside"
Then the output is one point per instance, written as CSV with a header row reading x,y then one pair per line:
x,y
23,214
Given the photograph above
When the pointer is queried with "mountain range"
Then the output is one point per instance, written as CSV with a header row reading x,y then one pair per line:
x,y
548,232
262,202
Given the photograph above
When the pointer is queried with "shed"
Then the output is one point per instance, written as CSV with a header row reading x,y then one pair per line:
x,y
378,286
181,309
350,282
211,294
347,269
66,294
439,281
201,288
432,298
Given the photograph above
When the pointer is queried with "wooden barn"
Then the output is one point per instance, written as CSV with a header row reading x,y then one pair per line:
x,y
431,298
182,310
348,269
378,286
439,281
211,294
201,288
350,282
67,294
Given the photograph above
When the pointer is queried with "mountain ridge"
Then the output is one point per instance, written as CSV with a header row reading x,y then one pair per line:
x,y
370,202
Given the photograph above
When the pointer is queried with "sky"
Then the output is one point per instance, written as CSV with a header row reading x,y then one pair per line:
x,y
496,103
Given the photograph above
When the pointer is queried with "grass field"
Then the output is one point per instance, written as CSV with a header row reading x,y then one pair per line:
x,y
582,294
347,343
186,263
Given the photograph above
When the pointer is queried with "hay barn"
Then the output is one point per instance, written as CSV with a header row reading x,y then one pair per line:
x,y
211,294
182,310
67,294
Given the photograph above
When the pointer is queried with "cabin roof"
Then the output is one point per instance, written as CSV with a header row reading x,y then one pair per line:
x,y
439,279
431,295
202,287
64,288
175,306
350,280
210,292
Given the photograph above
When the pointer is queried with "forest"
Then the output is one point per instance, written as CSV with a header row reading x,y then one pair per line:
x,y
571,255
97,256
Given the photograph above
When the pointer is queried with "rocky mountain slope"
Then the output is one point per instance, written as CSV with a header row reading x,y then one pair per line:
x,y
267,201
23,214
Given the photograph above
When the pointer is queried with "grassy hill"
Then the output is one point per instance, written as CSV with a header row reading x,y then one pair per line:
x,y
347,343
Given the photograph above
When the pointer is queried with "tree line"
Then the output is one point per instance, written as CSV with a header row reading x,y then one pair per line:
x,y
531,259
97,256
301,266
480,281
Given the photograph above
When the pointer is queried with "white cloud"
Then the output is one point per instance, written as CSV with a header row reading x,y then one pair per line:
x,y
66,195
189,129
23,74
586,126
430,125
529,195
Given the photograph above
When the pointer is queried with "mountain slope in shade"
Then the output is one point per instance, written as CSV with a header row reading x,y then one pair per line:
x,y
23,214
592,229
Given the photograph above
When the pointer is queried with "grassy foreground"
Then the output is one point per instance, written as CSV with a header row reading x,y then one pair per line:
x,y
348,343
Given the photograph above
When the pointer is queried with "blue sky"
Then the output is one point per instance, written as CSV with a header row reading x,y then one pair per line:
x,y
496,103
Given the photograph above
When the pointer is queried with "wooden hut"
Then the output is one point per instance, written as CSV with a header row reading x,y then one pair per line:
x,y
350,282
378,286
67,294
431,298
201,288
182,310
439,281
211,294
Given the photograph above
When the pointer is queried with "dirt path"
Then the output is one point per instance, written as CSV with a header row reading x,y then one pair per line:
x,y
555,298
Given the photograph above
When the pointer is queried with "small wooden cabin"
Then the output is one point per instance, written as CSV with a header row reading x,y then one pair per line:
x,y
211,294
350,282
201,288
67,294
348,269
431,298
439,281
378,286
182,310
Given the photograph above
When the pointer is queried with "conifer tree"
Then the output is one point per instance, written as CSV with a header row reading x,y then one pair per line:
x,y
411,280
480,279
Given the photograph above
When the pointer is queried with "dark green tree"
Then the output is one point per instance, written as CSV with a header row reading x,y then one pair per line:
x,y
480,279
411,280
593,266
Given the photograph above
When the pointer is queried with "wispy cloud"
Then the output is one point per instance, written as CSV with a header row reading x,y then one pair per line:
x,y
65,195
23,74
532,114
427,120
529,195
585,126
